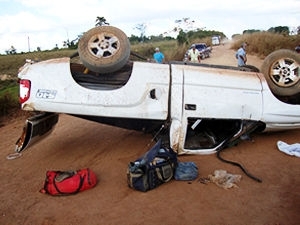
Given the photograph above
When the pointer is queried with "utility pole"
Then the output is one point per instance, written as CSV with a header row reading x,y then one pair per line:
x,y
28,45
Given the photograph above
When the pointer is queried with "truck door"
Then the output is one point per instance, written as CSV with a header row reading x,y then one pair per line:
x,y
214,100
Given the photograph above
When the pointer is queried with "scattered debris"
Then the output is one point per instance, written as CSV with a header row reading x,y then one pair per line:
x,y
14,156
204,180
293,149
224,179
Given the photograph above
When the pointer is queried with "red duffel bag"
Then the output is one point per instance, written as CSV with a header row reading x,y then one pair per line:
x,y
68,182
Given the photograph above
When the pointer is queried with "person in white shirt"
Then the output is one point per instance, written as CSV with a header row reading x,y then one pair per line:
x,y
194,54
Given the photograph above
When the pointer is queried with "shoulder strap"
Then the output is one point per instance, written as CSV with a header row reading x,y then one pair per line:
x,y
152,153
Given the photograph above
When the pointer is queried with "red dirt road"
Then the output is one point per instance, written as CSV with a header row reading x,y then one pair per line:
x,y
76,144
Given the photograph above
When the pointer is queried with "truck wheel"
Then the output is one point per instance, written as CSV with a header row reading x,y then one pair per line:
x,y
104,49
282,72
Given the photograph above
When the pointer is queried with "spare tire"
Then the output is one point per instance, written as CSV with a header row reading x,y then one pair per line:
x,y
104,49
282,71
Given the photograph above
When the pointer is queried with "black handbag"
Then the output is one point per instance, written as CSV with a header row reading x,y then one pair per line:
x,y
155,167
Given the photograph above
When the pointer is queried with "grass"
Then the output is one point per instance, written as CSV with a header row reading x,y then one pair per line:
x,y
263,43
9,65
8,97
260,44
170,49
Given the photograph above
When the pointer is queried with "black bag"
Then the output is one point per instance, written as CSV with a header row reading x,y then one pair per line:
x,y
155,167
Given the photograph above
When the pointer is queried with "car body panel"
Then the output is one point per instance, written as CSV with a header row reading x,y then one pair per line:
x,y
278,115
221,93
57,91
211,93
179,97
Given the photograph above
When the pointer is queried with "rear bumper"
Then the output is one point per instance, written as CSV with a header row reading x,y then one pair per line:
x,y
35,129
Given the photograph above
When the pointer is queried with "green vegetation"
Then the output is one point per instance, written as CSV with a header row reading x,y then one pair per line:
x,y
259,43
8,97
263,43
10,64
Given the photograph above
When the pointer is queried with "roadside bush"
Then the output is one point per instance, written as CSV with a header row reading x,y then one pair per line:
x,y
170,49
9,100
10,64
8,104
263,43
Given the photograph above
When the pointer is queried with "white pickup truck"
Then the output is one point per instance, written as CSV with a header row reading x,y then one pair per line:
x,y
193,108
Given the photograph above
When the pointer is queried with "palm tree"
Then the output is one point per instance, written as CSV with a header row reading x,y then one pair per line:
x,y
100,21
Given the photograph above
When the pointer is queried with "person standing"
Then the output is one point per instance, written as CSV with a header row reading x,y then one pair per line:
x,y
194,54
241,55
158,56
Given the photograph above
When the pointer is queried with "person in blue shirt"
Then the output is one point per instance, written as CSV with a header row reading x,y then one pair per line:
x,y
241,55
158,56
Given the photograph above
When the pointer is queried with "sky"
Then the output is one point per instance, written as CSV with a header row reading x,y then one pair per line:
x,y
29,24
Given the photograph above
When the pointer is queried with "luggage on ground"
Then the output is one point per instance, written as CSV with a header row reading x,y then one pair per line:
x,y
155,167
68,182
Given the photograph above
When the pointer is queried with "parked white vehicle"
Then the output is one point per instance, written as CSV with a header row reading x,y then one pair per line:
x,y
215,40
194,108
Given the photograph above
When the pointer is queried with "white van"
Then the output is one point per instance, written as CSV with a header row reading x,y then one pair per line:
x,y
215,40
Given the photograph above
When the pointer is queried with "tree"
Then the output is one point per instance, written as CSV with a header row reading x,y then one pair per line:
x,y
184,24
182,38
251,31
280,30
142,28
101,21
72,44
134,39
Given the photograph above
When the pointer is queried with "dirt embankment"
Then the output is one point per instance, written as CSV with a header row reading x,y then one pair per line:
x,y
76,144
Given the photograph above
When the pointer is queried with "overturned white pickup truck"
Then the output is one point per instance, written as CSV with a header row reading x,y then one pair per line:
x,y
193,108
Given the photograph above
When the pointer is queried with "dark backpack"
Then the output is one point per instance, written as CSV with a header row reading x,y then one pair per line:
x,y
155,167
68,182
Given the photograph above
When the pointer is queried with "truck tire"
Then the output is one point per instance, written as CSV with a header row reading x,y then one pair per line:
x,y
104,49
282,71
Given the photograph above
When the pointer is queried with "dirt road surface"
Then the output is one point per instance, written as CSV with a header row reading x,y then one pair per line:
x,y
77,144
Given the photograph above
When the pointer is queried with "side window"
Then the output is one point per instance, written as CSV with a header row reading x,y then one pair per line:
x,y
209,133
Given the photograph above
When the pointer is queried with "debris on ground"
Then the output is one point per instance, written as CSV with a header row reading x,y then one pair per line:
x,y
223,179
292,149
